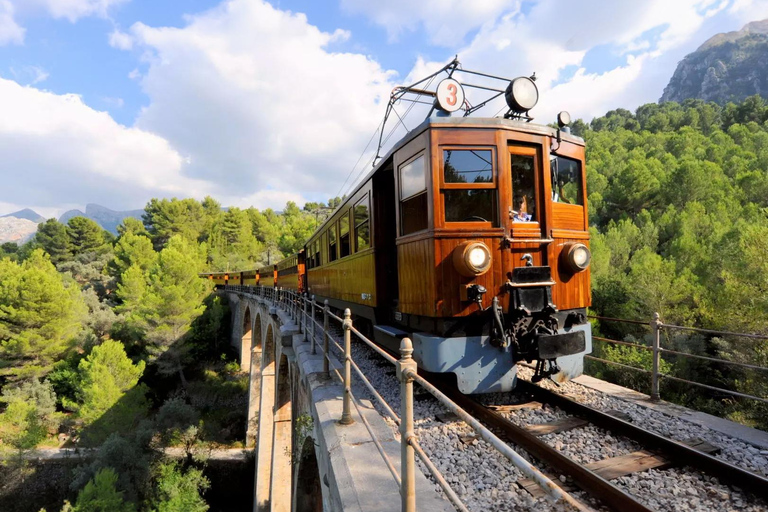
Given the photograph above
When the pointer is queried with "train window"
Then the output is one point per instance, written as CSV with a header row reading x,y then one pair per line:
x,y
318,261
412,178
362,225
332,254
523,188
566,180
344,242
468,166
414,209
470,205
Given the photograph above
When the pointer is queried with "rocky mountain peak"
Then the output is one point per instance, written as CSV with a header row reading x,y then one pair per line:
x,y
727,67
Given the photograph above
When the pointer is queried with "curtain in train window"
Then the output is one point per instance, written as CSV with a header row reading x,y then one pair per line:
x,y
414,210
362,224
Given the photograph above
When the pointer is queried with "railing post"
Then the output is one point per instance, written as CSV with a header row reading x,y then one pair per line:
x,y
303,323
656,329
346,414
314,350
326,361
406,369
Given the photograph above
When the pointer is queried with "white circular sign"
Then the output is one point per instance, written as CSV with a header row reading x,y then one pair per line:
x,y
450,95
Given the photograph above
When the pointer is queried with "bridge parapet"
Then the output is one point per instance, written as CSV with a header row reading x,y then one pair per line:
x,y
304,456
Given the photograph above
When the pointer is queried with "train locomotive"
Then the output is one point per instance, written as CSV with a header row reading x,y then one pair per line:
x,y
470,236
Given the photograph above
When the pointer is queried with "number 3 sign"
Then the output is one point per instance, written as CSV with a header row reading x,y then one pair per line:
x,y
450,95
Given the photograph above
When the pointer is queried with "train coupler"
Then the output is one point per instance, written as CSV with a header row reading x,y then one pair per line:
x,y
545,368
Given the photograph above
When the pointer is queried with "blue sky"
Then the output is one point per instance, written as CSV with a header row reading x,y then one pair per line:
x,y
119,101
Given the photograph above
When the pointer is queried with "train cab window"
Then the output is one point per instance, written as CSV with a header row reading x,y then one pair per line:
x,y
469,189
344,242
332,255
566,180
362,225
523,188
414,210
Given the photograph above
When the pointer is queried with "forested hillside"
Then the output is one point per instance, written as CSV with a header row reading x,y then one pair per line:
x,y
678,198
114,342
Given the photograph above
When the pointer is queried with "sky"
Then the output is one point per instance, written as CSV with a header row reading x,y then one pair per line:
x,y
258,103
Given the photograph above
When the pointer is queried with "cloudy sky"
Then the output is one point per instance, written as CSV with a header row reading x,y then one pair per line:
x,y
257,103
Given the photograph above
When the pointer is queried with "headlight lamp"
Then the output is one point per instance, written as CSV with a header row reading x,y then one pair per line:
x,y
577,256
521,94
472,258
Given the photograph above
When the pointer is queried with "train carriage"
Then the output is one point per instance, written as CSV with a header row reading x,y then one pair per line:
x,y
291,272
268,275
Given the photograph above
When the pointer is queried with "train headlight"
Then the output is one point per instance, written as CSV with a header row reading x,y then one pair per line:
x,y
577,256
521,94
472,259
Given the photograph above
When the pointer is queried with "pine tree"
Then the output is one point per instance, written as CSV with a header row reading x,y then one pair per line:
x,y
40,315
54,239
85,235
173,299
131,249
179,491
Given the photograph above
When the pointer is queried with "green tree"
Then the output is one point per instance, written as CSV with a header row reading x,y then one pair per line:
x,y
133,226
85,235
40,316
165,218
101,495
177,490
30,415
54,239
108,384
132,249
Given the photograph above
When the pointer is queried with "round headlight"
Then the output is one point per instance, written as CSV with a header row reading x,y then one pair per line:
x,y
522,94
472,259
563,119
577,256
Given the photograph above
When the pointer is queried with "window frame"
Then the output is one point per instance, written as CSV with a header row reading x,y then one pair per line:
x,y
355,225
339,222
333,228
522,228
494,169
425,192
493,185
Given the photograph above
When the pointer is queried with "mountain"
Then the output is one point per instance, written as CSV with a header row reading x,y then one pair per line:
x,y
27,214
727,67
104,217
16,230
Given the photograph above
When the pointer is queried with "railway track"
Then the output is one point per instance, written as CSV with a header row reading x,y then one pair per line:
x,y
660,452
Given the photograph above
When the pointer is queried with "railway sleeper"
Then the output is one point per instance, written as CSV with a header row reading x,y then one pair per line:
x,y
615,467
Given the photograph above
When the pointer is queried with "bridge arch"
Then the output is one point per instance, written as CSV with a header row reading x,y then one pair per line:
x,y
246,340
254,389
307,489
282,441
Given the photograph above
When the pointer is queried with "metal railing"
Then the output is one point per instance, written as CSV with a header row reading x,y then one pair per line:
x,y
657,327
303,311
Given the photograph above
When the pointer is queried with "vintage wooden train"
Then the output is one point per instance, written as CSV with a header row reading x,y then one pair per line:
x,y
471,237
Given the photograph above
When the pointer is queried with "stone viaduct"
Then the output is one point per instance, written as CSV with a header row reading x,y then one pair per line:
x,y
305,460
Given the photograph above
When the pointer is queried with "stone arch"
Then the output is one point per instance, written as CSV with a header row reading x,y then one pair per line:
x,y
246,341
254,389
282,441
268,354
307,490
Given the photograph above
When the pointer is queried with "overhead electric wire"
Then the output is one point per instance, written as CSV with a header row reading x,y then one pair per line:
x,y
360,157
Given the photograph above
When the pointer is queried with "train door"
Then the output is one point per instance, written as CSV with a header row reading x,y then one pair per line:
x,y
527,211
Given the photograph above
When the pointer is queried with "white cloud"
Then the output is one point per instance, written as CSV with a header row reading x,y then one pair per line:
x,y
72,10
10,31
56,149
30,75
445,21
257,100
646,38
120,40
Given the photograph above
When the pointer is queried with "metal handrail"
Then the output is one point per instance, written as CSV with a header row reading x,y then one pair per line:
x,y
656,327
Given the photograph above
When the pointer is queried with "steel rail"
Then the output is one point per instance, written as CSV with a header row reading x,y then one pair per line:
x,y
584,478
677,452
